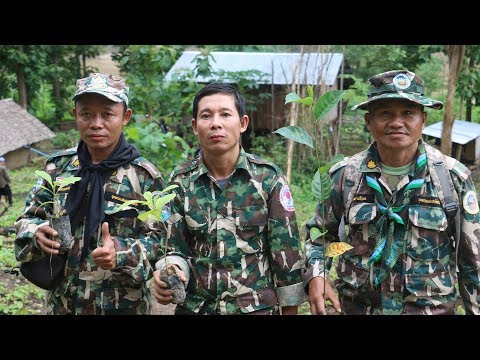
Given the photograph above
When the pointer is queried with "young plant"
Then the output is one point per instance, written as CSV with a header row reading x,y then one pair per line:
x,y
58,218
54,187
155,202
321,182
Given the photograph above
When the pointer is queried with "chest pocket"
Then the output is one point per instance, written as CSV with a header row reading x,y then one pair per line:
x,y
429,239
251,224
360,218
123,223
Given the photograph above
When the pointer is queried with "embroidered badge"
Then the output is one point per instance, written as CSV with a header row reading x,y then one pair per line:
x,y
401,81
286,198
97,82
371,164
76,162
470,202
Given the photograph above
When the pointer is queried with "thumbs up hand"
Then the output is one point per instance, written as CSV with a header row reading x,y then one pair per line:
x,y
105,256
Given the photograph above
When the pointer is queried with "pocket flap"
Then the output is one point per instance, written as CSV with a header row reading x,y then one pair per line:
x,y
362,213
428,217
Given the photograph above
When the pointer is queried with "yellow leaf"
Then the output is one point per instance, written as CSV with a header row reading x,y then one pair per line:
x,y
337,248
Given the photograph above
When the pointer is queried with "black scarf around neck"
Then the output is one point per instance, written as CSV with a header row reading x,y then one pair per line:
x,y
93,174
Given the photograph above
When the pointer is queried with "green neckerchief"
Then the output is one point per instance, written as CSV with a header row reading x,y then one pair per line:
x,y
391,226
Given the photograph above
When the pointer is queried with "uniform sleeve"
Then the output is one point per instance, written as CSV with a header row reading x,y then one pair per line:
x,y
286,252
327,218
469,246
33,216
136,255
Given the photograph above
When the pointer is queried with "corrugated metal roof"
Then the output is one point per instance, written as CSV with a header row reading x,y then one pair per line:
x,y
462,131
282,64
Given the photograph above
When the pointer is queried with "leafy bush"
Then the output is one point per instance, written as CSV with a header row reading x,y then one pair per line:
x,y
66,140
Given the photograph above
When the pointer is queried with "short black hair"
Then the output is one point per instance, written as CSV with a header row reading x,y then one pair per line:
x,y
220,88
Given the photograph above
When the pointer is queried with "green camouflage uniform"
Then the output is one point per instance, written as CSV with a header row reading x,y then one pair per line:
x,y
422,280
86,288
242,243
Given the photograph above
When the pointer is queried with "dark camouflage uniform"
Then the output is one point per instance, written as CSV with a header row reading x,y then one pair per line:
x,y
243,245
86,288
422,281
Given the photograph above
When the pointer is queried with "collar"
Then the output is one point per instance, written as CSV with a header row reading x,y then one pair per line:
x,y
242,163
371,161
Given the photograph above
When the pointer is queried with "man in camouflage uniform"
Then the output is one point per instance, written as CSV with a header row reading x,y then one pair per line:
x,y
108,260
233,222
403,256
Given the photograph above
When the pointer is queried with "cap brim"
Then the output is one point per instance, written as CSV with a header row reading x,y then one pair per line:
x,y
106,94
419,99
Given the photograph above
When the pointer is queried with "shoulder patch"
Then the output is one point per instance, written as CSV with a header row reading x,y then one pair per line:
x,y
470,202
147,165
286,198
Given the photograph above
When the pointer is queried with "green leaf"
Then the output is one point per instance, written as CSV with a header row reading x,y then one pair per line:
x,y
326,103
315,233
68,180
126,204
297,134
143,216
321,186
45,176
310,91
160,202
149,199
292,97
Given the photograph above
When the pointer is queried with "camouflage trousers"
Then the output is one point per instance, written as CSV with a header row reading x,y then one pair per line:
x,y
74,305
210,309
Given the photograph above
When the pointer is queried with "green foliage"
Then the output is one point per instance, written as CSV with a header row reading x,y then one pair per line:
x,y
13,302
155,203
269,148
7,256
42,105
66,140
164,150
367,60
202,63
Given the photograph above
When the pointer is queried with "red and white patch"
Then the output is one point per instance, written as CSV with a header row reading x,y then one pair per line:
x,y
286,198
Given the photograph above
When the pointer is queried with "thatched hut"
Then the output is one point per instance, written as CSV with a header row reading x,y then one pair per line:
x,y
20,132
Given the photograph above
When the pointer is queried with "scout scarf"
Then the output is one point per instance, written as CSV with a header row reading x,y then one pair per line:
x,y
391,226
92,174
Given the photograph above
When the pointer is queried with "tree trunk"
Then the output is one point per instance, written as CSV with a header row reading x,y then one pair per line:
x,y
22,87
455,59
468,106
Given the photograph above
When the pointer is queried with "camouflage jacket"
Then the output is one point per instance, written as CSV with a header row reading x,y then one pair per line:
x,y
86,288
242,243
422,281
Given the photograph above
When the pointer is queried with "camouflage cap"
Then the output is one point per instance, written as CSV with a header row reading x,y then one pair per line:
x,y
398,84
111,86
